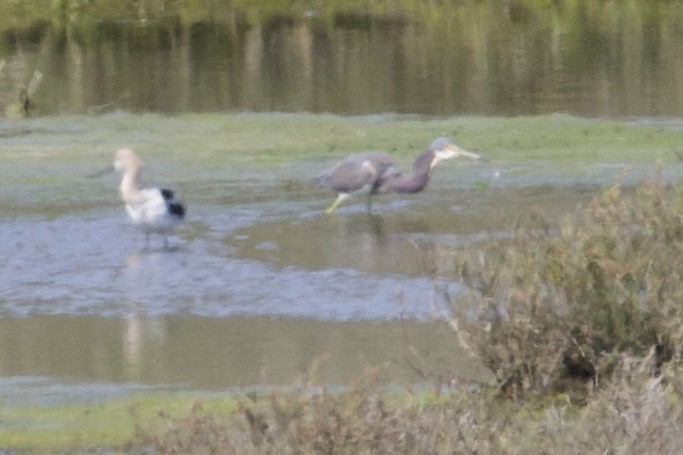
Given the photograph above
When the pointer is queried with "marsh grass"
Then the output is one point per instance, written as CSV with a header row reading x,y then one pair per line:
x,y
262,140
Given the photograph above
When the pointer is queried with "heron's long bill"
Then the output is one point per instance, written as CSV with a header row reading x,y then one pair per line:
x,y
474,156
453,151
459,152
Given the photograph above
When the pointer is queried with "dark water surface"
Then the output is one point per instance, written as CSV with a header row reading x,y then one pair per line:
x,y
591,58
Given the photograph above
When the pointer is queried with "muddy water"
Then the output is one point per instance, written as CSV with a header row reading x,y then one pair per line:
x,y
220,353
259,282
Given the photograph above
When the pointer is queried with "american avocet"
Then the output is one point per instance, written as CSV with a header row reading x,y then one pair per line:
x,y
155,210
375,173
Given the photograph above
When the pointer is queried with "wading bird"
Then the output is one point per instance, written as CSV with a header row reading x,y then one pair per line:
x,y
375,173
154,210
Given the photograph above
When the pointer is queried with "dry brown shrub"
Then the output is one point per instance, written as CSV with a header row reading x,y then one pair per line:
x,y
636,412
365,419
558,302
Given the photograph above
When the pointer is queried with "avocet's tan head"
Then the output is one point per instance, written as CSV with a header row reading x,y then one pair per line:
x,y
126,160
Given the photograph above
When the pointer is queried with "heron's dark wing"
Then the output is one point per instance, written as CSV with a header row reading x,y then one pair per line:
x,y
357,171
383,164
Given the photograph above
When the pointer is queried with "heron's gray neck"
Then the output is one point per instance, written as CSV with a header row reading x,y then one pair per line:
x,y
422,172
407,184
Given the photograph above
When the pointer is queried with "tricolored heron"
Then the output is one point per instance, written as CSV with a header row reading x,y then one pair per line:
x,y
375,172
154,210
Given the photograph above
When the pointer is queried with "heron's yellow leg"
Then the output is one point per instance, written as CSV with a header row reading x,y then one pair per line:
x,y
342,197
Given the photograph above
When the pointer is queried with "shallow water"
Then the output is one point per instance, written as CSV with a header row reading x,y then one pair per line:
x,y
97,266
259,282
270,257
181,352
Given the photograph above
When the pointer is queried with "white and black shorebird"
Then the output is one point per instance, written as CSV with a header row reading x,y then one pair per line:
x,y
154,210
375,173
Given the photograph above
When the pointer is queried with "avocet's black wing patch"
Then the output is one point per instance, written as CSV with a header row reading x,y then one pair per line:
x,y
173,204
167,194
176,209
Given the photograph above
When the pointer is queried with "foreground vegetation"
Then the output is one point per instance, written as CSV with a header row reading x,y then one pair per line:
x,y
572,300
580,320
634,413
